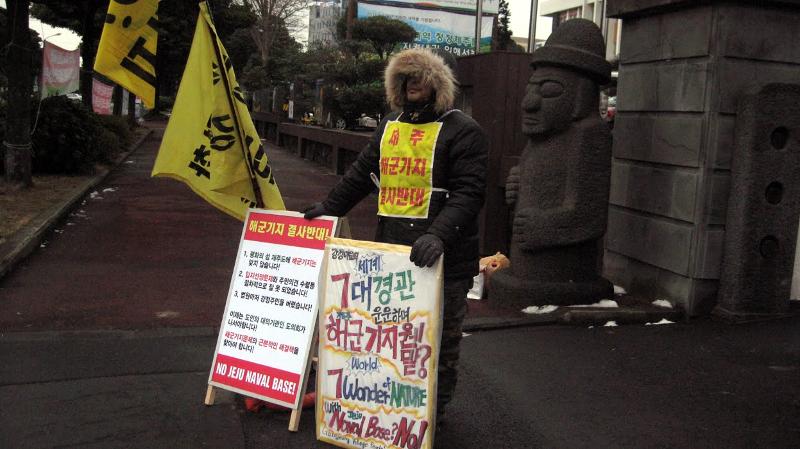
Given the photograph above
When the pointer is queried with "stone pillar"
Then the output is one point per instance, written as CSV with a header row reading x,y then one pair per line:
x,y
764,205
684,66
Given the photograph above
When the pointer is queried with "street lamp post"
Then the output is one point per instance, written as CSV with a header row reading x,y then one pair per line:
x,y
478,26
532,29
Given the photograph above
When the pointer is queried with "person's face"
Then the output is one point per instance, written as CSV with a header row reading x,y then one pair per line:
x,y
416,91
549,101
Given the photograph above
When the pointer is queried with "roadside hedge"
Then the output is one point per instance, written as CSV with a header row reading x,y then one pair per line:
x,y
71,139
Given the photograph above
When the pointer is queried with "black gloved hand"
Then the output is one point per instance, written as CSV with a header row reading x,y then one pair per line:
x,y
426,250
314,211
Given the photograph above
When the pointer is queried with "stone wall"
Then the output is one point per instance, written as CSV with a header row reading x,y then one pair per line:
x,y
683,68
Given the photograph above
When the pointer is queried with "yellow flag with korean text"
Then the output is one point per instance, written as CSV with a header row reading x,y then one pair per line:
x,y
210,142
126,53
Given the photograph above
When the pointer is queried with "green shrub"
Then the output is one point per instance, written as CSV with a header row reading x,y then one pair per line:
x,y
109,143
117,125
165,102
67,138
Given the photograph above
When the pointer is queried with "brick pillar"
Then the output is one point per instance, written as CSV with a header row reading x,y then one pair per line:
x,y
684,66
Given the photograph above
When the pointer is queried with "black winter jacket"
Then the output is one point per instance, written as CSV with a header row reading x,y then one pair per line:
x,y
460,159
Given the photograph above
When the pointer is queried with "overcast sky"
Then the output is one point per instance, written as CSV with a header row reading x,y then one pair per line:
x,y
520,16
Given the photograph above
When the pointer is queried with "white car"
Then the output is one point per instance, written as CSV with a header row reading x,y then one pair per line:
x,y
366,121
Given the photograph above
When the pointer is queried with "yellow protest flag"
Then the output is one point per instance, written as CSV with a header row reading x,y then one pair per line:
x,y
127,50
210,132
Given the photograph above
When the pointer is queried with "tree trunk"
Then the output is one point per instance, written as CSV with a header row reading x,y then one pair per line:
x,y
131,110
17,143
88,50
116,98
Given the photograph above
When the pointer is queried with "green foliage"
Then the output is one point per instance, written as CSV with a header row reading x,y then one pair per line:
x,y
70,139
354,100
383,33
283,65
502,29
166,102
118,126
353,70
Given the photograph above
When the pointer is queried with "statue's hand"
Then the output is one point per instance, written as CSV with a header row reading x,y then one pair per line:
x,y
524,230
512,186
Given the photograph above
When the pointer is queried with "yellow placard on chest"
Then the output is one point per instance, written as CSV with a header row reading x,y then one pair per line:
x,y
407,169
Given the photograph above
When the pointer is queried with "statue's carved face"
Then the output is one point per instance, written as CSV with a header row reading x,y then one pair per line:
x,y
549,101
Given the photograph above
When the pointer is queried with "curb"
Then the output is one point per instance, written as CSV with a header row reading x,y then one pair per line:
x,y
20,245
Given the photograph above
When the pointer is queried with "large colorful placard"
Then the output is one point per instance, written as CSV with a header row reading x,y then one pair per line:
x,y
450,31
379,333
268,325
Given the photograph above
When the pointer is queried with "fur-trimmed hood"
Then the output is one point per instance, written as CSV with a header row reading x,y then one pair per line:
x,y
427,65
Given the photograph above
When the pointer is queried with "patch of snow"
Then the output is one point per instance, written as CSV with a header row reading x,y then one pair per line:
x,y
610,324
662,303
663,321
539,310
110,189
129,161
59,231
43,244
604,303
70,223
464,334
167,314
95,195
619,290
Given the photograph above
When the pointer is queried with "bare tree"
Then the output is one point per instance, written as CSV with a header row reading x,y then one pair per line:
x,y
272,15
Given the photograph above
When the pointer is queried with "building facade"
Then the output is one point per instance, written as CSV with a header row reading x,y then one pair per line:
x,y
322,18
562,10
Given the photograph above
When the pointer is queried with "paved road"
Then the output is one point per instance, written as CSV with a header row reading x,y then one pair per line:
x,y
106,336
146,253
699,385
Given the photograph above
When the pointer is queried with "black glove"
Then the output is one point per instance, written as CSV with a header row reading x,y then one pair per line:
x,y
314,211
426,250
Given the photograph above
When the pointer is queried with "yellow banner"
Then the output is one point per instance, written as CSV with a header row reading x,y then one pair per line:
x,y
127,50
406,169
205,140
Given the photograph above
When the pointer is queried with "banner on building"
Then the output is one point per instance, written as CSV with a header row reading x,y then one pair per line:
x,y
451,31
60,70
211,143
379,333
465,6
270,316
101,97
126,53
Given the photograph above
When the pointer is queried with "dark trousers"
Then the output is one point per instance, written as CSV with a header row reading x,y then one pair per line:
x,y
455,309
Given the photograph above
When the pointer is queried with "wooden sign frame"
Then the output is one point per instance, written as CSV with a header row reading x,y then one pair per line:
x,y
339,226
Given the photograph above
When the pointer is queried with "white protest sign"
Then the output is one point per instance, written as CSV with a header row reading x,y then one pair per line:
x,y
379,333
268,325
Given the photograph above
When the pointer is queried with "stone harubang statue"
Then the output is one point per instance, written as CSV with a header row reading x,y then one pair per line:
x,y
559,190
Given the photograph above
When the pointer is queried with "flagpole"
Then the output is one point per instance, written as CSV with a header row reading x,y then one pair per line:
x,y
237,122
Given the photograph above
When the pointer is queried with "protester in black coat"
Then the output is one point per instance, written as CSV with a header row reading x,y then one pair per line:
x,y
421,89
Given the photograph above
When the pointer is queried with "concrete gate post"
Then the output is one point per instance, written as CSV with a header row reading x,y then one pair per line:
x,y
684,67
764,205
